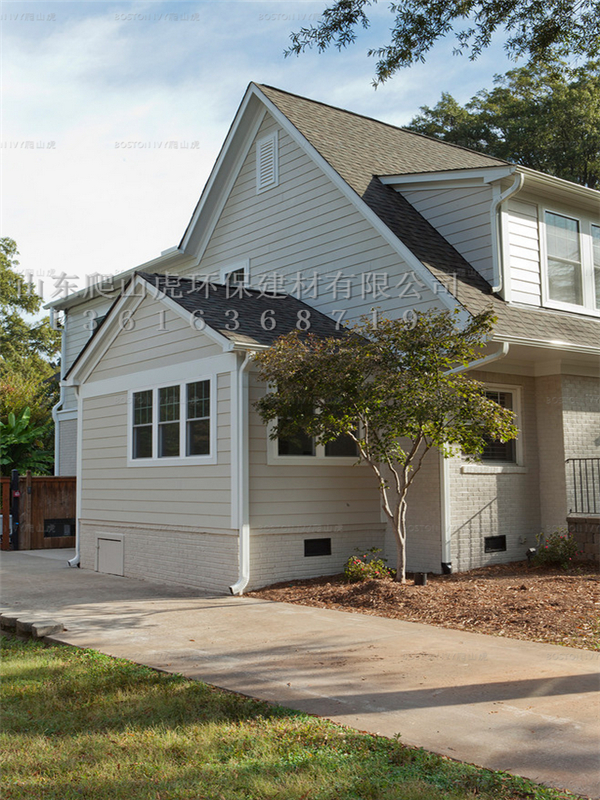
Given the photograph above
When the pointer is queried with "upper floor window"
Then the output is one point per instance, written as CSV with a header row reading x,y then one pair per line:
x,y
172,422
572,262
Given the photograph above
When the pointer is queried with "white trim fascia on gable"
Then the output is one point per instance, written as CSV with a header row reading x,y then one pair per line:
x,y
435,286
111,329
216,211
97,347
171,257
477,176
208,189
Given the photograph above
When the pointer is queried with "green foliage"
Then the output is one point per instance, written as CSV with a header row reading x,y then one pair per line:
x,y
79,724
546,117
390,388
365,567
535,30
32,345
557,549
28,368
21,445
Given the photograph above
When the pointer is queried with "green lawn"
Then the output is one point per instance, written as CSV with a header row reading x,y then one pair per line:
x,y
78,724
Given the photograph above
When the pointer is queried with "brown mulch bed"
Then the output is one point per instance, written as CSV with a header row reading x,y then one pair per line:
x,y
513,600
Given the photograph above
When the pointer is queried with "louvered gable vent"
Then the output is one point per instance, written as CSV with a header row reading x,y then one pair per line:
x,y
266,163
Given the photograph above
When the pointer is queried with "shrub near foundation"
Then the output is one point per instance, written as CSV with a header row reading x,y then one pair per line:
x,y
366,566
556,549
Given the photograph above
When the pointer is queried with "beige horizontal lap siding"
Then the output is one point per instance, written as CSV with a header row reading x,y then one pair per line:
x,y
158,336
79,328
462,216
305,224
316,496
189,495
524,253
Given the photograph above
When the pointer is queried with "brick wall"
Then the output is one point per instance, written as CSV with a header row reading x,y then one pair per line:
x,y
276,557
207,561
586,531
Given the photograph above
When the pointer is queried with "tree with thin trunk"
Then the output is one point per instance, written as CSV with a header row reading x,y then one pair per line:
x,y
397,389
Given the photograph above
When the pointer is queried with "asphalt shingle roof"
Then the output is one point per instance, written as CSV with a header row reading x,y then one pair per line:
x,y
359,149
224,306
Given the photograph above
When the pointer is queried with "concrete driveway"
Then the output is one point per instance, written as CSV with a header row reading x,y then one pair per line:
x,y
528,708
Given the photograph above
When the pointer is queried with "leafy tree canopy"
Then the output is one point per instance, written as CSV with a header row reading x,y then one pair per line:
x,y
545,116
391,389
534,29
33,345
28,366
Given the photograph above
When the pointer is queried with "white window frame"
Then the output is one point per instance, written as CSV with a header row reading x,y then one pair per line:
x,y
274,139
585,223
156,461
319,457
499,467
225,272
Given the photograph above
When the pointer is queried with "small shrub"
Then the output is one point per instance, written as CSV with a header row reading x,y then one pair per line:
x,y
366,566
556,549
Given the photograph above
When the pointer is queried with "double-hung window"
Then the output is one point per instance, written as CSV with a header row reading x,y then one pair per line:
x,y
496,451
173,422
302,448
572,255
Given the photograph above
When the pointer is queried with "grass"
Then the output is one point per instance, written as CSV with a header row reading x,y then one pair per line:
x,y
78,724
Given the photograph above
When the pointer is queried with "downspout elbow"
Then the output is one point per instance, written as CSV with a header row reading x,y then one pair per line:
x,y
497,253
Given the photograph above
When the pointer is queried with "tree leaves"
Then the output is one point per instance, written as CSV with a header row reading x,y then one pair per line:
x,y
546,117
534,30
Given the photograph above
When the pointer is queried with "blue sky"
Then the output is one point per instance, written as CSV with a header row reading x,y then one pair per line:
x,y
80,79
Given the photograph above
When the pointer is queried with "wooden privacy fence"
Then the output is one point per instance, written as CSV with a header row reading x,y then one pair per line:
x,y
46,512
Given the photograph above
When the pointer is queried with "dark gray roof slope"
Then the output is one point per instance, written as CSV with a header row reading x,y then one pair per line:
x,y
360,149
246,308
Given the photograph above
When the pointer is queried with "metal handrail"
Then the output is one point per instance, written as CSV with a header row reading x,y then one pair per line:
x,y
585,473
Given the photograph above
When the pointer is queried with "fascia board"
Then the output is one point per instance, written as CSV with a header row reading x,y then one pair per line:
x,y
167,259
401,249
542,179
97,346
548,344
479,175
209,190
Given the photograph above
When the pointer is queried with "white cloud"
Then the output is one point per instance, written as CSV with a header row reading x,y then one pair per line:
x,y
100,75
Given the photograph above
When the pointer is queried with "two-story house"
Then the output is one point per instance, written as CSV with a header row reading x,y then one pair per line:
x,y
313,216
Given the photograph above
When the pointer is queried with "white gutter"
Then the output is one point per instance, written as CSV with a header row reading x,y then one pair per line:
x,y
445,506
61,398
243,476
74,562
498,271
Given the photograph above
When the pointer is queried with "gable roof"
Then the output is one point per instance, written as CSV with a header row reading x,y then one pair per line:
x,y
360,149
252,310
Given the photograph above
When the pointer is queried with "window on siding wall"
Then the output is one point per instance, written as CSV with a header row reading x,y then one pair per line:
x,y
596,258
142,424
496,451
304,445
157,428
572,261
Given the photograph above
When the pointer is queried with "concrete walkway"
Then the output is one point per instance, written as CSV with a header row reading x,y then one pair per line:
x,y
528,708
